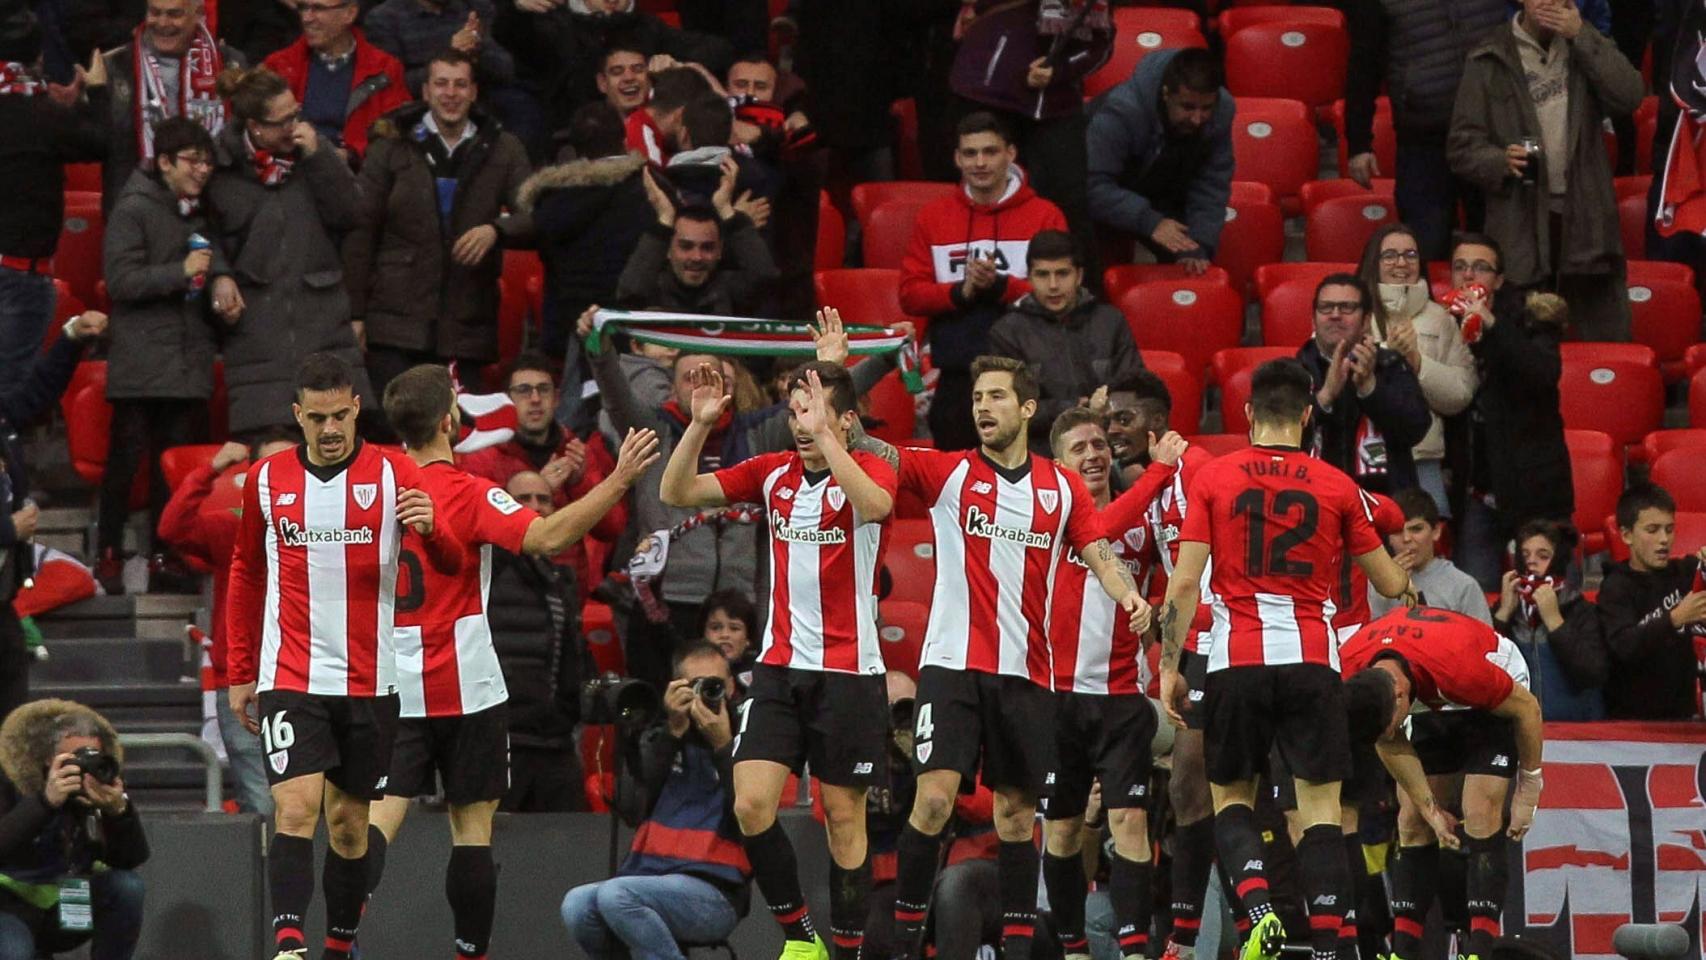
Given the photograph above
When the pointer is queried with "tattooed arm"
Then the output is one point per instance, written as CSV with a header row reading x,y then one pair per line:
x,y
858,439
1180,609
1117,581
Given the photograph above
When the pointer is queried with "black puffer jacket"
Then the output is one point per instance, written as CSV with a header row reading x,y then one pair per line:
x,y
539,648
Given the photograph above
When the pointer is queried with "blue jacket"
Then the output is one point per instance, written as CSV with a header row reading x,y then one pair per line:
x,y
1126,135
1567,668
686,791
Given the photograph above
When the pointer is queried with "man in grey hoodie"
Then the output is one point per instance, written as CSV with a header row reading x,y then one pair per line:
x,y
1440,582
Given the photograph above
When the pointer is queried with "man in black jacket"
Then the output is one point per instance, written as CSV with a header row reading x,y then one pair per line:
x,y
698,260
1369,408
44,127
1652,608
63,812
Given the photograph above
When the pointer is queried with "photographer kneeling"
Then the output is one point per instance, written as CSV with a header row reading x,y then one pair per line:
x,y
686,876
69,837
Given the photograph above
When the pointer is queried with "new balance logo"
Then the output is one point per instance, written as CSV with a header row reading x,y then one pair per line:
x,y
1252,865
383,782
981,487
861,769
284,500
1049,779
1325,900
1137,790
1500,760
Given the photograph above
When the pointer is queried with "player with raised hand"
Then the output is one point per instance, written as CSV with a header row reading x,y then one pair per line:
x,y
818,691
1277,522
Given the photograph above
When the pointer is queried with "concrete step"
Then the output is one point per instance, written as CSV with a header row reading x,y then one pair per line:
x,y
155,616
161,700
91,659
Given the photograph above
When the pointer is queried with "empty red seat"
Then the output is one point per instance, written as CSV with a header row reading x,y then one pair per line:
x,y
1385,144
1339,229
1613,395
894,409
1596,473
1274,142
867,197
1225,363
83,178
1666,318
1274,274
1647,271
1116,280
1293,59
1632,224
1660,442
1253,235
1585,350
1192,318
78,260
908,162
1220,444
1184,386
1139,32
1690,535
177,463
1679,472
831,249
1237,18
887,232
1288,314
1316,192
867,295
911,560
902,634
1234,394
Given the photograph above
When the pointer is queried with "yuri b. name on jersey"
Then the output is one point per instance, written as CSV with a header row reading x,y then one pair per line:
x,y
295,535
783,531
979,524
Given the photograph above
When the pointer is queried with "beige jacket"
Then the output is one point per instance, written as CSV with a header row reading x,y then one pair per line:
x,y
1448,368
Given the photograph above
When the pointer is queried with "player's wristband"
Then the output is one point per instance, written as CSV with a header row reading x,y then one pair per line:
x,y
1530,774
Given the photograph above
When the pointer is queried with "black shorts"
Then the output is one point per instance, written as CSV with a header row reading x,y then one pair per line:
x,y
1367,784
349,739
1194,668
1464,741
836,722
1299,707
469,753
1106,738
968,721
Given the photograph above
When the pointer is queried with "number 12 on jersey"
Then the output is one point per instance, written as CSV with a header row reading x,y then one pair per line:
x,y
1272,557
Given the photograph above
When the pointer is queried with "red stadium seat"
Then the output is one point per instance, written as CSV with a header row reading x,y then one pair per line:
x,y
1678,471
911,560
894,409
1184,386
1638,353
1632,224
1192,318
1646,124
1596,471
598,626
1116,280
867,197
1225,363
1340,228
1613,395
176,463
1316,192
902,634
1233,20
1697,399
1649,271
1253,235
83,178
1660,442
831,250
887,232
513,321
863,295
65,306
908,161
1139,32
1274,142
1694,358
1666,318
1690,535
1288,314
78,260
1220,444
1234,394
1385,140
1249,191
1274,274
1632,186
88,424
1295,60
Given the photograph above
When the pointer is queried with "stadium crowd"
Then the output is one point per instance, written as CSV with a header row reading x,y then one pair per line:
x,y
481,269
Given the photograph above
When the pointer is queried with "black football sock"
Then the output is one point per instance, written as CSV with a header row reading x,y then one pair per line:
x,y
290,878
1193,856
376,844
1239,844
471,886
1489,865
1414,875
848,890
1452,889
916,859
1356,867
1130,885
778,876
1326,888
1018,864
345,883
1064,879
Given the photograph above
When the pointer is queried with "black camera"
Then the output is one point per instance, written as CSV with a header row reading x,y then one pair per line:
x,y
711,691
621,700
96,763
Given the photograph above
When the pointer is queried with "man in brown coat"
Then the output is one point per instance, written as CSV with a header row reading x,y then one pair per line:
x,y
424,258
1550,79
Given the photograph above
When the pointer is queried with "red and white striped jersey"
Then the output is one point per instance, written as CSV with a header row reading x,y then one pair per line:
x,y
823,562
1166,515
1277,522
314,573
1000,535
446,664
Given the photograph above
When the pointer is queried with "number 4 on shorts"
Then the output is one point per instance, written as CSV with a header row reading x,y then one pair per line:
x,y
922,729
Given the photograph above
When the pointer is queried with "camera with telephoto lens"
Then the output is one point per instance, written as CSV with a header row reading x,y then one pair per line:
x,y
711,691
619,700
96,763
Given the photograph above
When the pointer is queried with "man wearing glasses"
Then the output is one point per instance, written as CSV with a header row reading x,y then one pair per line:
x,y
343,82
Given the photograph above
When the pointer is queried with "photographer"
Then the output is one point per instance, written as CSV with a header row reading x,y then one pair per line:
x,y
686,876
63,811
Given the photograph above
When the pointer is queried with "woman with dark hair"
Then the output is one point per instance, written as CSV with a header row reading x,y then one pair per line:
x,y
1408,321
1556,628
729,620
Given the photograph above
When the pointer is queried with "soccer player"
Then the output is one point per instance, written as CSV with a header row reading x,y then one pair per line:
x,y
1277,522
818,691
454,721
1003,521
1105,722
1481,730
309,622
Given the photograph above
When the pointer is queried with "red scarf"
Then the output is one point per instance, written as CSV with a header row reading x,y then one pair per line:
x,y
721,427
271,169
15,78
198,71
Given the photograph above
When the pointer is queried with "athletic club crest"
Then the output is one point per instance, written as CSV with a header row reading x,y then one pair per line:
x,y
279,761
924,751
836,497
364,494
1049,499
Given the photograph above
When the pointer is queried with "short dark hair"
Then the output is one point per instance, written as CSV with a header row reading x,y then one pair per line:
x,y
1280,390
675,88
454,57
700,214
837,382
694,648
982,121
20,35
1069,420
708,120
596,130
323,371
416,400
1345,280
1053,245
1562,536
536,362
1148,387
621,41
1417,504
176,134
1024,380
277,433
757,57
1465,237
1194,69
1646,496
736,604
1370,698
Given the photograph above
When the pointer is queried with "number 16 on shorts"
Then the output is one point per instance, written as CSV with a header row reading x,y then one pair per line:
x,y
277,736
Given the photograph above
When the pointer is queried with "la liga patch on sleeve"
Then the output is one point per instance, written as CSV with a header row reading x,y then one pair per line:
x,y
501,501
